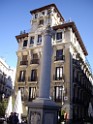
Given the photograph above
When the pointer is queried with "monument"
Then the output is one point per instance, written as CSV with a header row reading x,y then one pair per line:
x,y
43,110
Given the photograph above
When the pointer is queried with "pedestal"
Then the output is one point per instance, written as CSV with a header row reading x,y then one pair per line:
x,y
43,111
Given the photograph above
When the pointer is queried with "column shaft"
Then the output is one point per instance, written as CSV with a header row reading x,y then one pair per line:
x,y
45,75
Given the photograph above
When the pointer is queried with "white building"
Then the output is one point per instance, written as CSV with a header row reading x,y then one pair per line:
x,y
7,76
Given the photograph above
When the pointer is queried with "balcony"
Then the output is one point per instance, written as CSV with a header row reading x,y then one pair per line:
x,y
59,58
32,79
31,45
23,62
34,61
77,63
21,80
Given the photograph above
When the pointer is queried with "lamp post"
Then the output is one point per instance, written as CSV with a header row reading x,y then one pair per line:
x,y
63,91
3,96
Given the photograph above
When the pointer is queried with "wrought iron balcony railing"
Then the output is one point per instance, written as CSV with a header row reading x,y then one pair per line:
x,y
23,62
21,80
59,58
58,78
34,61
32,79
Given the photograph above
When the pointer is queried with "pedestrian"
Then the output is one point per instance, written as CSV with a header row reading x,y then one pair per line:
x,y
15,118
10,120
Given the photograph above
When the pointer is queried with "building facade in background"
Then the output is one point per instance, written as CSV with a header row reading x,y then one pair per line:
x,y
71,76
6,79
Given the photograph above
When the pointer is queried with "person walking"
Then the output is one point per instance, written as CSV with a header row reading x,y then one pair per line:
x,y
15,118
10,120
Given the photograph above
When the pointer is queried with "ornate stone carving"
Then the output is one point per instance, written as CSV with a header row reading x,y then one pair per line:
x,y
35,117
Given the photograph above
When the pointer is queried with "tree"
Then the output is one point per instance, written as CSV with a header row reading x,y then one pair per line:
x,y
3,105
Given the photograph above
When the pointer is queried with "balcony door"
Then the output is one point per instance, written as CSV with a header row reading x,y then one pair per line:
x,y
58,93
32,93
34,75
59,73
22,76
59,54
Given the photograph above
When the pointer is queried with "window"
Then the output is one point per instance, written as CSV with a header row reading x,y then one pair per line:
x,y
22,91
43,13
22,76
76,92
32,40
58,93
34,75
25,43
41,22
59,55
35,56
32,93
74,72
59,73
49,12
59,35
24,60
39,39
36,15
53,36
35,59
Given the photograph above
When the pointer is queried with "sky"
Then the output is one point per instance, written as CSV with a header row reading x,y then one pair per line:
x,y
15,17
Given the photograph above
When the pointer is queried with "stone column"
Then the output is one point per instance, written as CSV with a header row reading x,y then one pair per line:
x,y
45,75
42,110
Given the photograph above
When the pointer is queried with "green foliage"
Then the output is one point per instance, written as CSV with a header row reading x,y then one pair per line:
x,y
62,112
3,105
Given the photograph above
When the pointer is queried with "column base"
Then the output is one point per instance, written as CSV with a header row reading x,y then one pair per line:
x,y
43,111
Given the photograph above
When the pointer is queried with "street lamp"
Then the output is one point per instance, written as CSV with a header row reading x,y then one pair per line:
x,y
63,91
3,96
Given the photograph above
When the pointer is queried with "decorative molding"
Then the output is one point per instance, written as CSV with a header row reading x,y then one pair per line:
x,y
35,117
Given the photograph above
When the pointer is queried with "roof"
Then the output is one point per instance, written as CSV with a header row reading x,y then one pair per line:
x,y
47,7
21,36
75,30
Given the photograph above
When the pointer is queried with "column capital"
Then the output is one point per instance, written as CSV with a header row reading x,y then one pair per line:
x,y
48,31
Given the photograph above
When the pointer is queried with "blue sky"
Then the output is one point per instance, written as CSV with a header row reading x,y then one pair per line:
x,y
15,16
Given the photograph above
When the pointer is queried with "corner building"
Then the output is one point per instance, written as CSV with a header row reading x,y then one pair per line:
x,y
71,76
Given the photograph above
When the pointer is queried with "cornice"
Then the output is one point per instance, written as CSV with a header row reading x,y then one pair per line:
x,y
75,30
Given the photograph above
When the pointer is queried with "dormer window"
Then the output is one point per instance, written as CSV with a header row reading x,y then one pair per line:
x,y
41,22
36,15
59,35
32,40
43,13
49,12
25,43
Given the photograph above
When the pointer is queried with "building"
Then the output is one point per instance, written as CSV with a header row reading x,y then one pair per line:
x,y
71,76
6,79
